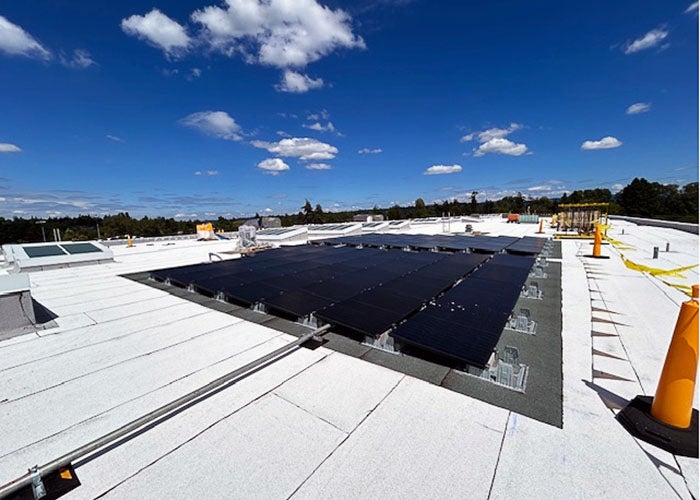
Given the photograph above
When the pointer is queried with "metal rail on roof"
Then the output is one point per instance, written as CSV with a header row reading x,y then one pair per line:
x,y
85,450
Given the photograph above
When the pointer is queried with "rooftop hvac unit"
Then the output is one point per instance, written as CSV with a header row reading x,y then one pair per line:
x,y
246,236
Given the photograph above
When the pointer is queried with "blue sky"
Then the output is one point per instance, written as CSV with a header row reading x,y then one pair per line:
x,y
202,108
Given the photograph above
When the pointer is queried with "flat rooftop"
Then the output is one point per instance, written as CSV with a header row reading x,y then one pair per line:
x,y
317,423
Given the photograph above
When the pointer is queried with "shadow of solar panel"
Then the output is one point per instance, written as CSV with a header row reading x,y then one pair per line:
x,y
297,303
359,317
250,293
465,344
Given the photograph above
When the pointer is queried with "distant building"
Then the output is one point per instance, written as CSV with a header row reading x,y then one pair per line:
x,y
264,222
368,218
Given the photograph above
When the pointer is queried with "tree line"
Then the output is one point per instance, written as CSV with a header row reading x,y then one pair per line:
x,y
640,198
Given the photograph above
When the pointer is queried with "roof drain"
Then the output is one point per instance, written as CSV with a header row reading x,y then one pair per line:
x,y
24,486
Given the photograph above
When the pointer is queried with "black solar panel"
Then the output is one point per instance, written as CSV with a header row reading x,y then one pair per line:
x,y
297,303
43,251
77,248
359,317
251,293
466,344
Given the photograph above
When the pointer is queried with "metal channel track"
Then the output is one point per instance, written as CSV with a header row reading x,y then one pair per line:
x,y
85,450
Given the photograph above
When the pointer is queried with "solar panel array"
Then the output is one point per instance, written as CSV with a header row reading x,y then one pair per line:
x,y
489,244
369,291
331,227
277,231
465,323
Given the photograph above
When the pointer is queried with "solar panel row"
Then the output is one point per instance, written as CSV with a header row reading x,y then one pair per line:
x,y
490,244
466,323
368,291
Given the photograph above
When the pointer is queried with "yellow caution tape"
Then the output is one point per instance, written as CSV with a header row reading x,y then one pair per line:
x,y
676,273
686,289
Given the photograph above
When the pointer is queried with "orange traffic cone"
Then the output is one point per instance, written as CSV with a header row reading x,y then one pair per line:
x,y
540,231
668,420
597,243
673,401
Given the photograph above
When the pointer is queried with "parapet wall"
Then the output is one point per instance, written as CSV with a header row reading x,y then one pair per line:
x,y
681,226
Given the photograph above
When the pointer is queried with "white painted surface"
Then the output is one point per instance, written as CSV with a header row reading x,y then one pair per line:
x,y
317,424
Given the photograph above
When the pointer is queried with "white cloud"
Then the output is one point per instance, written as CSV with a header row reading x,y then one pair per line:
x,y
159,30
298,83
368,151
321,115
693,7
17,42
492,133
318,127
196,73
9,148
273,166
303,148
493,140
215,123
319,166
209,173
638,107
114,138
81,59
608,142
277,32
443,169
648,41
501,146
616,188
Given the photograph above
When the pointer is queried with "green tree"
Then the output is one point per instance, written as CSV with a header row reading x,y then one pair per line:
x,y
394,213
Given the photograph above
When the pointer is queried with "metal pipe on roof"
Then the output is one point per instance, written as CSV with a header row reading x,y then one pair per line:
x,y
21,482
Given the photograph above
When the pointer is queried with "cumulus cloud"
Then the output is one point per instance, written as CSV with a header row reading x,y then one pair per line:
x,y
318,166
17,42
368,151
208,173
693,7
80,59
493,140
443,169
298,83
638,107
492,133
318,127
9,148
650,40
501,146
273,166
303,148
159,30
608,142
214,123
277,32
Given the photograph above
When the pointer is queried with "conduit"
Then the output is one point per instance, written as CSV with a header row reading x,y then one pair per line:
x,y
65,460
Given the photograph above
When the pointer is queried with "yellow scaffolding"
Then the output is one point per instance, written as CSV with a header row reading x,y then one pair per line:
x,y
578,220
